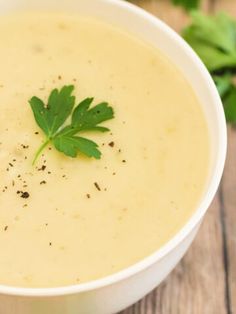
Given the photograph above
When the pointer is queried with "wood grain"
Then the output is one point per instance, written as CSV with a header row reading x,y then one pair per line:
x,y
175,17
205,280
228,196
228,200
226,5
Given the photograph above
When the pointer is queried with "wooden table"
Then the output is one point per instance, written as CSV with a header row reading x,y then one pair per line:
x,y
205,280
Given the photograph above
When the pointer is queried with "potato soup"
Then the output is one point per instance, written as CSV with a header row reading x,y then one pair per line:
x,y
67,220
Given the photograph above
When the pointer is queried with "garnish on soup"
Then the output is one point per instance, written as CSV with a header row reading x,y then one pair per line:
x,y
51,118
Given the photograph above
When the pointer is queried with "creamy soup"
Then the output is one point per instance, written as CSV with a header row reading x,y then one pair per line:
x,y
81,219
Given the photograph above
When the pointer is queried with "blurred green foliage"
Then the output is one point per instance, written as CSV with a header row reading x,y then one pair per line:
x,y
187,4
214,40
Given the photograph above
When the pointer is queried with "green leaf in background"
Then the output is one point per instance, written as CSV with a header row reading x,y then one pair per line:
x,y
230,105
227,91
223,83
214,40
187,4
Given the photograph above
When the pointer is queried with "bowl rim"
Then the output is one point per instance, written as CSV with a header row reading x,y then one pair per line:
x,y
194,220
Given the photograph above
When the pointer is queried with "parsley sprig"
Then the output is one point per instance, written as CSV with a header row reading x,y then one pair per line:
x,y
214,40
51,118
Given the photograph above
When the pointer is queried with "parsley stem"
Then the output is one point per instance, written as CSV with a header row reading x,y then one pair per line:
x,y
39,151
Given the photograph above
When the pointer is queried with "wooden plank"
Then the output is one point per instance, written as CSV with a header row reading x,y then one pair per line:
x,y
199,284
229,193
226,5
229,219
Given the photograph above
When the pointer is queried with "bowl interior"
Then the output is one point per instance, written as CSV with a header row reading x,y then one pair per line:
x,y
153,31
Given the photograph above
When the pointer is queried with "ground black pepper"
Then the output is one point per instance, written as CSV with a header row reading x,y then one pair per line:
x,y
24,194
97,186
111,144
24,146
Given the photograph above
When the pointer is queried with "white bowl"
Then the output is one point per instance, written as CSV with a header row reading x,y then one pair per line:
x,y
116,292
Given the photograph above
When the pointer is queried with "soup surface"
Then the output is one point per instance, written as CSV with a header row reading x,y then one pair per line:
x,y
83,219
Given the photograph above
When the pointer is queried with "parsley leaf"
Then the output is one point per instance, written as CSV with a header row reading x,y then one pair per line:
x,y
230,105
71,145
227,91
223,83
214,40
187,4
84,118
52,117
